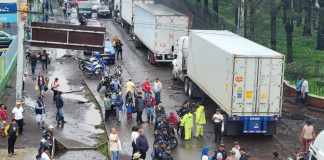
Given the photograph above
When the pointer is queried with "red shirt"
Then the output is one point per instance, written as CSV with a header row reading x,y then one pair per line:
x,y
173,119
147,86
3,115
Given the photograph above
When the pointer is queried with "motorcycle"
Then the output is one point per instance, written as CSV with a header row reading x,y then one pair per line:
x,y
164,132
85,62
94,69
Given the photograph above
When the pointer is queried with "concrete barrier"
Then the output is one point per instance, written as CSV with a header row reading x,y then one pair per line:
x,y
314,101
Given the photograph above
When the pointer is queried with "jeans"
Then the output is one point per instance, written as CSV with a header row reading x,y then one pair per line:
x,y
115,155
139,117
44,65
157,96
11,144
20,123
150,114
218,132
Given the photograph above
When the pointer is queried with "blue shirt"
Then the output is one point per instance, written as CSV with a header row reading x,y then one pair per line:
x,y
299,85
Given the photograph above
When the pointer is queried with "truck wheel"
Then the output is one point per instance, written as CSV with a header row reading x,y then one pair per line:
x,y
186,85
190,89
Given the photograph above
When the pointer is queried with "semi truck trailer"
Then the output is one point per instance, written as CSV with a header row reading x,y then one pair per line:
x,y
158,27
127,12
243,78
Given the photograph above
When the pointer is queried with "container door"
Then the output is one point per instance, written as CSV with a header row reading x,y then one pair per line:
x,y
244,88
276,86
269,84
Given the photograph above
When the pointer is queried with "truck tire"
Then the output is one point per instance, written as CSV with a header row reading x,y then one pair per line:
x,y
191,89
186,85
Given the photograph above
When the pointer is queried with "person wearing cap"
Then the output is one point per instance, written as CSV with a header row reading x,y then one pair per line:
x,y
218,120
18,115
220,153
12,137
200,120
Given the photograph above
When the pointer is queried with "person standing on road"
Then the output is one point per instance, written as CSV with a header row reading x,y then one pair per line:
x,y
119,49
304,91
218,120
147,88
150,103
299,83
236,150
108,108
157,87
41,84
139,105
130,105
114,144
44,60
307,135
130,86
220,153
204,153
54,87
59,106
142,144
12,136
187,123
134,136
200,120
33,64
3,118
17,112
244,155
119,107
40,112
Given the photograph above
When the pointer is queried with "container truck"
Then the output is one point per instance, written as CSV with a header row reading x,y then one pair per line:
x,y
158,27
243,78
127,11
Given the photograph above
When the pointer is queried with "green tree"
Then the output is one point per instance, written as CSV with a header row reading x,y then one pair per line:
x,y
308,18
320,34
289,28
275,6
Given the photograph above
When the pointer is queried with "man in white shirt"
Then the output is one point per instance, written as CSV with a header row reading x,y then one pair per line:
x,y
218,120
236,150
157,87
304,90
17,112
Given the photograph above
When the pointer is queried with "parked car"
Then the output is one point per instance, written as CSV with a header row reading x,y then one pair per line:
x,y
104,12
5,39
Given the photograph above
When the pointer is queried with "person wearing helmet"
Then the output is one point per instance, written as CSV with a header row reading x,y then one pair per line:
x,y
200,120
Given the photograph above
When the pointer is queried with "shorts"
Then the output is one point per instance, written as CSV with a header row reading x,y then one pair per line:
x,y
40,117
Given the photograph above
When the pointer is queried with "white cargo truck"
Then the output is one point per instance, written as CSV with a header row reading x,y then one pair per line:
x,y
158,28
243,78
127,11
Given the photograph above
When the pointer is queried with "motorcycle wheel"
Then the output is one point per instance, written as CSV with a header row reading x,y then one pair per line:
x,y
173,142
81,66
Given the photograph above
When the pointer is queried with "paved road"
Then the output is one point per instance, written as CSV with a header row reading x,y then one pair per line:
x,y
136,67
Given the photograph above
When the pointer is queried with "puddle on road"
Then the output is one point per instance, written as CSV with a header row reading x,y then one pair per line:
x,y
81,155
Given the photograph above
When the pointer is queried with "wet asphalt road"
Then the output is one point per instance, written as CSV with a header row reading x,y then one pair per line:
x,y
137,68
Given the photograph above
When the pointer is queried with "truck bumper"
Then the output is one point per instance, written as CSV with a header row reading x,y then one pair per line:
x,y
164,58
253,125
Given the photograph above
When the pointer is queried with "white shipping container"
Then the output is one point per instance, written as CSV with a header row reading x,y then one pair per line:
x,y
159,27
127,9
241,76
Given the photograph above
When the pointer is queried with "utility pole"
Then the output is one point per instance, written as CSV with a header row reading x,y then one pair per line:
x,y
20,53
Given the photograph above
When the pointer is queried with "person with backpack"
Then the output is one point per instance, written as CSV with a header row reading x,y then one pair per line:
x,y
12,133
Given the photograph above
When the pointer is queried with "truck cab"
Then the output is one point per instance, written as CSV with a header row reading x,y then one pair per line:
x,y
316,150
179,64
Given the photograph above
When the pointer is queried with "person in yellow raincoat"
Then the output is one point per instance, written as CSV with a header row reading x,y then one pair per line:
x,y
200,120
187,122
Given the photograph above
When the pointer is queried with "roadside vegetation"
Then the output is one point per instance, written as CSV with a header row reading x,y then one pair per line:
x,y
291,27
